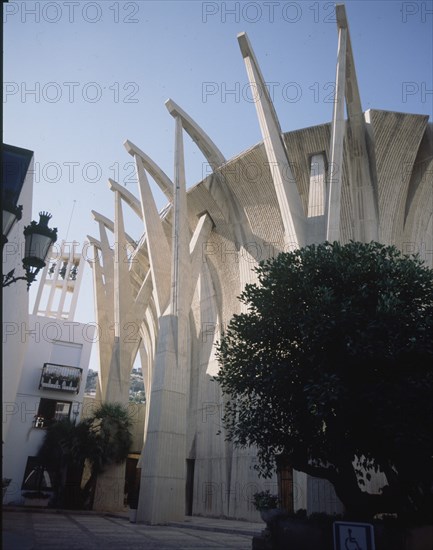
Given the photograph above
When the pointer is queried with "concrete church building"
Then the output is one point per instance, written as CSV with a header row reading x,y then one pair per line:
x,y
169,296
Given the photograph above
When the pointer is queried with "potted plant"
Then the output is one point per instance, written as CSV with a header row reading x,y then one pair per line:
x,y
268,505
74,381
133,504
36,498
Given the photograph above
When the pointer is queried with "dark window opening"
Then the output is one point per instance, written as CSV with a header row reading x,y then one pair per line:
x,y
189,493
285,483
36,477
50,411
132,481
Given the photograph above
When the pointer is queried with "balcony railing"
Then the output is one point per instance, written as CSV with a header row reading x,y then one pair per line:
x,y
60,377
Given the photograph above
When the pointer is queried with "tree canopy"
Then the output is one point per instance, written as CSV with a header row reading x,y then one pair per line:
x,y
331,365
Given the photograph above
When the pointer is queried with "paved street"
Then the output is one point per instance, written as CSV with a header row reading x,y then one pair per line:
x,y
34,530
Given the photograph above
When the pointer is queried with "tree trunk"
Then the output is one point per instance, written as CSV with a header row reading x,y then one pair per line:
x,y
89,491
110,489
358,504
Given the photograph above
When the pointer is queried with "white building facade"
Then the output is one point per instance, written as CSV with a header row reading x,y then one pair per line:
x,y
18,164
53,376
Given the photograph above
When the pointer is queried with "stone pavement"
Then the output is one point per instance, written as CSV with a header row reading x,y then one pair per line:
x,y
68,530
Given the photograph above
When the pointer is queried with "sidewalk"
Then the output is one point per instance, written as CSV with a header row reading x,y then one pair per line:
x,y
31,529
221,525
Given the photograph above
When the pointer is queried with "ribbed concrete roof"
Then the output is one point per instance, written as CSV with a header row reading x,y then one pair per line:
x,y
241,199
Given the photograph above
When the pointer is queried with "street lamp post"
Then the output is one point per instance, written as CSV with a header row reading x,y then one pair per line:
x,y
38,240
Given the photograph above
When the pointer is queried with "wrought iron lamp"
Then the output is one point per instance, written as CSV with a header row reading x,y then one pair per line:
x,y
38,240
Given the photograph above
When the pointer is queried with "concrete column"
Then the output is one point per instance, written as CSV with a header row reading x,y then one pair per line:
x,y
162,492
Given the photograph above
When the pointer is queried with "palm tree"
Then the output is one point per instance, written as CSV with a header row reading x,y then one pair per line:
x,y
110,440
101,440
61,456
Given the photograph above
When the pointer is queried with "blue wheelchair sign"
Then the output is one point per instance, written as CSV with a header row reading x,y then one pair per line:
x,y
353,536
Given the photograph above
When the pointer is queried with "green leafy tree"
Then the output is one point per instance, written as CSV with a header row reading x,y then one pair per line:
x,y
331,367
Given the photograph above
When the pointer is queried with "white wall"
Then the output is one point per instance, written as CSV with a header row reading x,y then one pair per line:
x,y
15,304
41,339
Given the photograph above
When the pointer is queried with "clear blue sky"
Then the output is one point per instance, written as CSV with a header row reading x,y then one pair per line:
x,y
81,77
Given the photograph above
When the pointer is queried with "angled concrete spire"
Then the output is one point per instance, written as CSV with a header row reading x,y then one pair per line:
x,y
109,224
180,232
198,135
337,139
157,244
126,323
113,311
127,196
103,282
289,201
108,493
361,162
160,177
93,241
199,238
104,314
122,302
